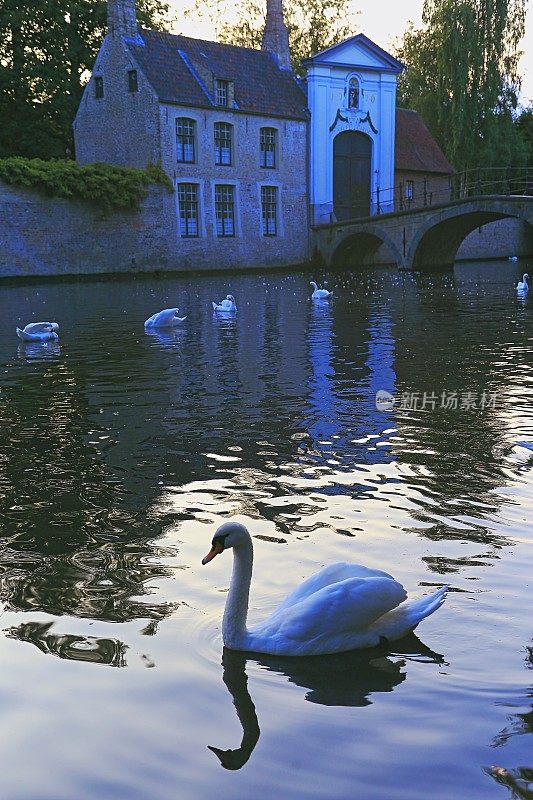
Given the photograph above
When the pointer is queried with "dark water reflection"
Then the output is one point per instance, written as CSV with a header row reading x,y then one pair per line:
x,y
120,450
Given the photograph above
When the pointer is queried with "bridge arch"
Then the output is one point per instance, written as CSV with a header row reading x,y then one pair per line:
x,y
356,248
435,244
422,238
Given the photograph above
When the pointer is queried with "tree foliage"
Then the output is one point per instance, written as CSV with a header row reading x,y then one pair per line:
x,y
313,25
108,187
47,48
524,125
462,77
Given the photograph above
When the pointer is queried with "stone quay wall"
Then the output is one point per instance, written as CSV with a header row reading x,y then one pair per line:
x,y
42,236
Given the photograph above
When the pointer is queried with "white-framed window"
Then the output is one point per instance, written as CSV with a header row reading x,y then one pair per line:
x,y
409,190
189,217
225,210
185,140
221,92
269,210
222,143
267,147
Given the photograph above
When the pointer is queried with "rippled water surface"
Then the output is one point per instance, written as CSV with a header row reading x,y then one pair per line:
x,y
121,452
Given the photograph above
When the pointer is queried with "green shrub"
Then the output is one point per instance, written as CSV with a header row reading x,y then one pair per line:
x,y
105,186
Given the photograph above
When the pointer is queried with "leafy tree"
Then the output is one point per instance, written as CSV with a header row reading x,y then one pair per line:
x,y
313,25
524,125
462,77
47,49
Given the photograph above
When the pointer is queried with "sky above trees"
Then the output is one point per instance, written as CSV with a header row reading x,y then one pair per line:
x,y
382,28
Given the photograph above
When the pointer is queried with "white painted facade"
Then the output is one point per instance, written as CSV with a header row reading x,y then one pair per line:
x,y
329,74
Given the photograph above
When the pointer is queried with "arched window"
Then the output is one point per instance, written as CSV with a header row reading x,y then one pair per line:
x,y
353,93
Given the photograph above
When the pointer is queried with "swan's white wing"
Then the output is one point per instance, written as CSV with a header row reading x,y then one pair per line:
x,y
335,610
44,336
40,327
163,319
333,573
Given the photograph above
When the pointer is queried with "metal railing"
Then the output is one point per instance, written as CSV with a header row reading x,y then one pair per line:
x,y
419,193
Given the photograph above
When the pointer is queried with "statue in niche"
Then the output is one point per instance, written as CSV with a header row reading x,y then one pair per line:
x,y
353,93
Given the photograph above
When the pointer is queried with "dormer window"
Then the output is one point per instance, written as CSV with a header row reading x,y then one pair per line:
x,y
353,93
221,92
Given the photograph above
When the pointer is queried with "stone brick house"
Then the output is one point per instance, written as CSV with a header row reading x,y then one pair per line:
x,y
254,157
227,124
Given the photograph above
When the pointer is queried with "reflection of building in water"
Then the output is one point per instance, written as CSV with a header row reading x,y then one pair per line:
x,y
70,544
110,652
367,358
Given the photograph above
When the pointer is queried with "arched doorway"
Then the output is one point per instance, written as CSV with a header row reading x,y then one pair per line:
x,y
352,159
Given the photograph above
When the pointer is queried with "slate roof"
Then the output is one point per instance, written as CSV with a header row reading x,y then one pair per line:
x,y
416,149
181,71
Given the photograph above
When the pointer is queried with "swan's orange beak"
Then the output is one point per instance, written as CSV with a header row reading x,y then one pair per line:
x,y
217,548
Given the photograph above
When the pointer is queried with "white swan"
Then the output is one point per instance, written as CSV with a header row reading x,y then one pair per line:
x,y
228,304
319,294
341,607
168,318
523,286
39,332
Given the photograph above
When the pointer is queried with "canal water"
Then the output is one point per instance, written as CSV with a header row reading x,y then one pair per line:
x,y
122,451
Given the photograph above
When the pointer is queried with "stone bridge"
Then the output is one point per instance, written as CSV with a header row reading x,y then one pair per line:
x,y
424,238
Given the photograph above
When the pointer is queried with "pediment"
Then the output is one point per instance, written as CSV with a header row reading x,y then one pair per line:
x,y
357,52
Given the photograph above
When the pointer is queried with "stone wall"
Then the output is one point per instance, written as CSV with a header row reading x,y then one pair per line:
x,y
42,236
122,127
501,239
45,236
249,246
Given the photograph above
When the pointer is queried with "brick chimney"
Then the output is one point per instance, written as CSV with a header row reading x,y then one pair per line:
x,y
275,35
121,18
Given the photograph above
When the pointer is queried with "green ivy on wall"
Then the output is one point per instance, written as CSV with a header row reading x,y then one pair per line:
x,y
107,187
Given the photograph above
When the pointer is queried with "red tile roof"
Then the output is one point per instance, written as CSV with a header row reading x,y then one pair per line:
x,y
174,65
416,149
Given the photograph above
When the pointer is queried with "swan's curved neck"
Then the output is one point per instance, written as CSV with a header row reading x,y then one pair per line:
x,y
236,608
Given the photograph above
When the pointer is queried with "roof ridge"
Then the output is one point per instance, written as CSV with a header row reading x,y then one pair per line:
x,y
207,41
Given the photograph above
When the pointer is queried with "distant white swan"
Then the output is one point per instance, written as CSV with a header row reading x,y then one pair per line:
x,y
523,286
342,607
168,318
319,294
228,304
39,332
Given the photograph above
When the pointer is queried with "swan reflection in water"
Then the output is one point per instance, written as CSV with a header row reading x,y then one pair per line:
x,y
344,679
39,351
167,338
519,780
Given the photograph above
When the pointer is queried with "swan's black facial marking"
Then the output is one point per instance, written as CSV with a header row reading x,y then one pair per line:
x,y
217,546
220,539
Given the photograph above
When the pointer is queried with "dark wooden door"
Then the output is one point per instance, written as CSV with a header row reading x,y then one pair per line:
x,y
352,158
